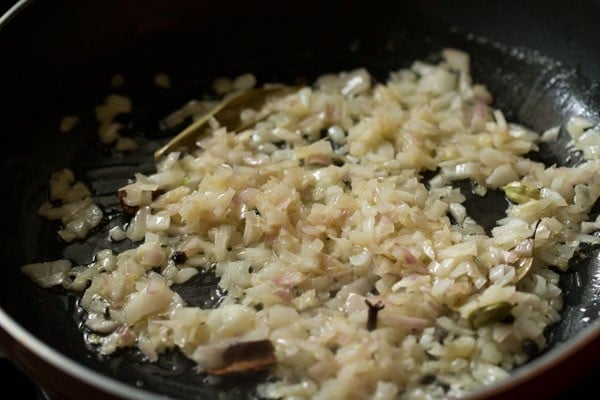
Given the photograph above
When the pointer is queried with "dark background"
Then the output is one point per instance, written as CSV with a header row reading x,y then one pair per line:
x,y
12,378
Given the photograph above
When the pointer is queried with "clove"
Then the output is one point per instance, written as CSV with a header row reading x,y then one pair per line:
x,y
372,316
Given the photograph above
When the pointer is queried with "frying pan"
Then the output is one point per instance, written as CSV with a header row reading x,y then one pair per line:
x,y
540,59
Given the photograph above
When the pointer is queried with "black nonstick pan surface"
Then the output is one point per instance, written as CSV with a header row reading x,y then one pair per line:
x,y
540,59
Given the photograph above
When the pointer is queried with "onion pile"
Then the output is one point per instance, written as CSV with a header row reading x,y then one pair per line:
x,y
350,265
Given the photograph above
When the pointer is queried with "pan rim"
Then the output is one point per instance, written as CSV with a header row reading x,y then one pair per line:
x,y
557,355
68,366
12,12
534,369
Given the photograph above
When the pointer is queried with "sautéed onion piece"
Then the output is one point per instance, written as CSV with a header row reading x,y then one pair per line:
x,y
359,276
